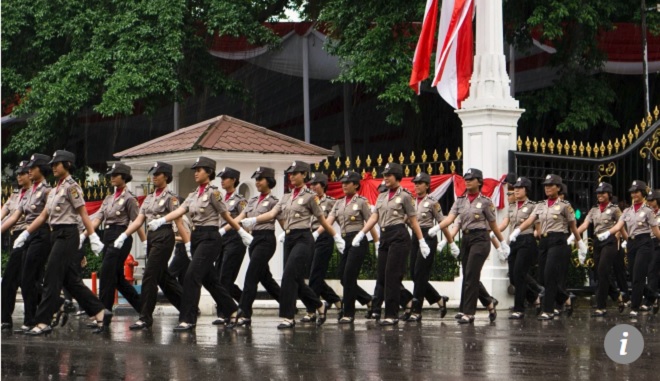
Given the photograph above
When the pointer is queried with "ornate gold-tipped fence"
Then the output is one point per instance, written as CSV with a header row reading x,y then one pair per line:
x,y
93,190
412,164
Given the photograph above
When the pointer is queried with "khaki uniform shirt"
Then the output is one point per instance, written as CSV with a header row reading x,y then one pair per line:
x,y
235,205
393,211
554,219
255,208
326,203
604,220
63,201
476,214
518,215
205,209
186,225
120,210
640,222
296,212
13,204
35,201
428,211
154,207
351,216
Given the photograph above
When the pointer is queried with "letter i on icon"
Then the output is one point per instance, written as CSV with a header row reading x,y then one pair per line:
x,y
624,345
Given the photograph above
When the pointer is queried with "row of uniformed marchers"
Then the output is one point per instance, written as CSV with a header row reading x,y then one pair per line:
x,y
48,226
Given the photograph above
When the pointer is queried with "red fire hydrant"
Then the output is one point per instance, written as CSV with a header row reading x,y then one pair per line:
x,y
129,265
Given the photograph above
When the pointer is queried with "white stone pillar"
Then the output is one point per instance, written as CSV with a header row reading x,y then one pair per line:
x,y
490,119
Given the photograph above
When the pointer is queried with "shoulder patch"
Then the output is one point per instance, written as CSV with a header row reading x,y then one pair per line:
x,y
175,200
74,192
243,203
316,198
217,194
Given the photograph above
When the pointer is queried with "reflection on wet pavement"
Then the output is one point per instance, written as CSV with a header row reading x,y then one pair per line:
x,y
568,348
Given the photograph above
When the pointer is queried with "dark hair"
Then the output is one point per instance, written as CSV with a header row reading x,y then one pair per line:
x,y
644,192
236,183
126,178
210,172
44,169
271,182
69,166
324,186
398,176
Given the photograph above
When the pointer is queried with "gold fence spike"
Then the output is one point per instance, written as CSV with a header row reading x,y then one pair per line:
x,y
447,154
79,183
424,156
566,147
559,146
358,162
617,145
528,144
333,177
368,161
107,193
649,120
656,112
401,158
596,150
364,173
459,153
630,136
435,155
338,163
588,149
643,124
374,173
441,168
551,146
637,131
624,141
543,145
89,195
96,195
412,157
519,143
536,145
379,160
390,159
326,164
429,170
407,171
452,167
317,166
602,149
581,149
418,170
348,162
609,147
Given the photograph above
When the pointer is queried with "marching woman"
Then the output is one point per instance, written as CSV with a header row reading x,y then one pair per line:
x,y
263,246
428,213
117,211
65,203
604,216
231,257
653,201
295,211
392,208
557,219
524,250
159,245
639,221
36,249
350,213
477,213
11,276
204,205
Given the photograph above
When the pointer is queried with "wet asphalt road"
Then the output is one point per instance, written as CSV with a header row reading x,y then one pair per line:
x,y
564,349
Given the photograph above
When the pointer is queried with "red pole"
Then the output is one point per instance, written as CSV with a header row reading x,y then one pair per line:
x,y
94,283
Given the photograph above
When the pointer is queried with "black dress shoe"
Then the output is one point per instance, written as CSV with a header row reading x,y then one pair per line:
x,y
62,317
105,324
138,325
183,327
569,307
545,316
308,318
322,315
443,308
219,321
346,320
286,324
599,313
389,322
244,322
36,331
233,321
492,312
406,314
466,319
23,329
93,324
415,318
517,316
459,315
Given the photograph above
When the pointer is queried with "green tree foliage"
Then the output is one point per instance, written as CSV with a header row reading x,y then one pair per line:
x,y
63,57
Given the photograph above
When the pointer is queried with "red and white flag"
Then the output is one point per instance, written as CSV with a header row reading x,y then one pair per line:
x,y
454,53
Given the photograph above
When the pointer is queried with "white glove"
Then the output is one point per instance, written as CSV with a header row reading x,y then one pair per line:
x,y
454,250
155,224
582,250
188,250
570,240
492,235
119,242
410,232
339,242
249,222
434,231
377,246
144,246
222,231
82,239
624,244
97,245
20,241
603,236
245,237
442,244
424,248
358,238
315,235
281,237
514,235
505,248
502,254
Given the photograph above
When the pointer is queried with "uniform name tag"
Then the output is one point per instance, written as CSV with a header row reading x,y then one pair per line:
x,y
300,201
525,209
38,194
426,204
557,207
608,211
323,208
121,201
232,202
161,202
478,205
641,214
397,200
265,203
355,207
205,198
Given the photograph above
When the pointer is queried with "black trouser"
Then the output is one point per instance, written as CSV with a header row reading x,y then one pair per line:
x,y
261,251
77,259
475,248
11,278
523,255
654,273
233,252
640,250
420,271
180,262
392,254
350,263
35,256
61,272
205,242
112,270
159,249
323,249
605,253
556,256
298,246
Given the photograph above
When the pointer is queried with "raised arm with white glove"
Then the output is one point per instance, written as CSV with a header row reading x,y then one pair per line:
x,y
315,234
245,236
155,224
582,251
82,239
358,238
97,245
434,231
570,240
454,250
20,240
514,234
442,244
119,242
604,235
339,242
249,222
424,248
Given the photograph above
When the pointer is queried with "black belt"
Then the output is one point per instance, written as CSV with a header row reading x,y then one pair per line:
x,y
164,227
113,227
262,232
393,227
289,231
640,236
63,226
474,231
205,228
344,234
